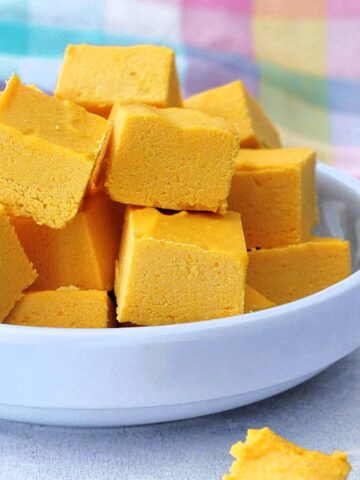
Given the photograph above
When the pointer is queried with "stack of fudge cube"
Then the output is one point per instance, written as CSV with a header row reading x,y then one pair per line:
x,y
122,204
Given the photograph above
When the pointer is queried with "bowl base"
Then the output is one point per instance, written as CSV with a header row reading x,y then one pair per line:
x,y
120,417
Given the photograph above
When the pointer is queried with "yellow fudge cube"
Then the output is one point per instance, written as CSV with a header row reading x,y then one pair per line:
x,y
255,301
267,456
48,150
275,193
16,271
96,76
82,253
236,104
180,268
289,273
64,308
170,158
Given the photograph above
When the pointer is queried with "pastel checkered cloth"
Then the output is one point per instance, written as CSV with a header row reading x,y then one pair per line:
x,y
300,58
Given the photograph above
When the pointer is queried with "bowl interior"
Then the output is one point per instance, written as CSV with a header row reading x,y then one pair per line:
x,y
339,208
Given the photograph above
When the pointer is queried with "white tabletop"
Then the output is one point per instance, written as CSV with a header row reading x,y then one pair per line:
x,y
323,413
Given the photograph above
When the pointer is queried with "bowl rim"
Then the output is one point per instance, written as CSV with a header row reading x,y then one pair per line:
x,y
154,331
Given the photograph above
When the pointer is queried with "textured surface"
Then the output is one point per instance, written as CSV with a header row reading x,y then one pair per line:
x,y
67,307
275,193
266,454
96,76
16,270
186,156
233,102
82,253
203,260
324,413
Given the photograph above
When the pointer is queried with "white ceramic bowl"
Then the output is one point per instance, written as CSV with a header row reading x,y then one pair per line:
x,y
142,375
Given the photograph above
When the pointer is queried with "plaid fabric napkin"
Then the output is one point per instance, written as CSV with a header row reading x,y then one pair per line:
x,y
300,58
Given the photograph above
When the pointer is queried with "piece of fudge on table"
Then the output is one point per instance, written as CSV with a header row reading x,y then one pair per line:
x,y
180,268
48,151
170,158
96,76
267,456
236,104
16,271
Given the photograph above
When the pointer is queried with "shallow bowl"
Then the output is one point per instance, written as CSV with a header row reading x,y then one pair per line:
x,y
133,376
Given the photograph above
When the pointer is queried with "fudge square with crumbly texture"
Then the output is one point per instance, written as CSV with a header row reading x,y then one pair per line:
x,y
96,76
296,271
82,253
48,150
170,158
275,193
16,271
236,104
180,268
64,308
